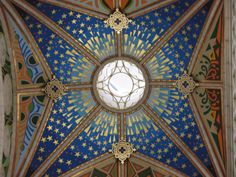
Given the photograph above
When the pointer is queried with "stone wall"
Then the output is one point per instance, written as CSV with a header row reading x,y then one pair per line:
x,y
234,76
6,117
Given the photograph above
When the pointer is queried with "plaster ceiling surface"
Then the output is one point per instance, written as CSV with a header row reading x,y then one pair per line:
x,y
177,129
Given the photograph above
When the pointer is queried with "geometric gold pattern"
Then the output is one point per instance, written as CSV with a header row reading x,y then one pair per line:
x,y
186,84
117,21
54,89
122,150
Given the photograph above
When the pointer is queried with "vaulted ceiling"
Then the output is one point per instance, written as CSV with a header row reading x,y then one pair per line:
x,y
174,133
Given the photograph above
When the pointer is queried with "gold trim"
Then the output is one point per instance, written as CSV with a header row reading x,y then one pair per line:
x,y
155,164
117,21
186,84
54,89
162,83
58,30
119,44
122,150
173,30
37,137
205,34
88,166
207,139
148,8
78,8
66,142
177,141
28,37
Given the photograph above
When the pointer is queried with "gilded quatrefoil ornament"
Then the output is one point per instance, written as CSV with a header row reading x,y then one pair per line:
x,y
118,21
122,150
186,84
54,89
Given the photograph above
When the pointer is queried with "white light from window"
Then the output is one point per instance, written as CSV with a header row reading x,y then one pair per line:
x,y
120,84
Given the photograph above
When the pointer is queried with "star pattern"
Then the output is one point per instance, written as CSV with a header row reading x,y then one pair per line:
x,y
177,113
89,31
66,114
59,55
70,66
145,30
150,140
173,58
94,141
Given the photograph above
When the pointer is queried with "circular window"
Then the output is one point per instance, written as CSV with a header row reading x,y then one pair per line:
x,y
120,84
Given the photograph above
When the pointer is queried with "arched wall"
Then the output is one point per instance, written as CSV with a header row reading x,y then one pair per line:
x,y
6,101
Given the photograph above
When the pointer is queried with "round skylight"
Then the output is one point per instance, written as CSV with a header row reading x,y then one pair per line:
x,y
120,84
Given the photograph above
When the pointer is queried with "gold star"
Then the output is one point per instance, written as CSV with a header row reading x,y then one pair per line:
x,y
58,121
40,158
183,166
62,134
49,127
49,138
60,160
68,162
71,13
64,16
60,22
85,156
40,40
41,150
77,154
58,171
55,142
53,11
44,140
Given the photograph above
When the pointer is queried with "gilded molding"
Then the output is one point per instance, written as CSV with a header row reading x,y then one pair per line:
x,y
118,21
54,89
122,150
186,84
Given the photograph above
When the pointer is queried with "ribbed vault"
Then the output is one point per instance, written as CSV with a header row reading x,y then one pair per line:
x,y
177,129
